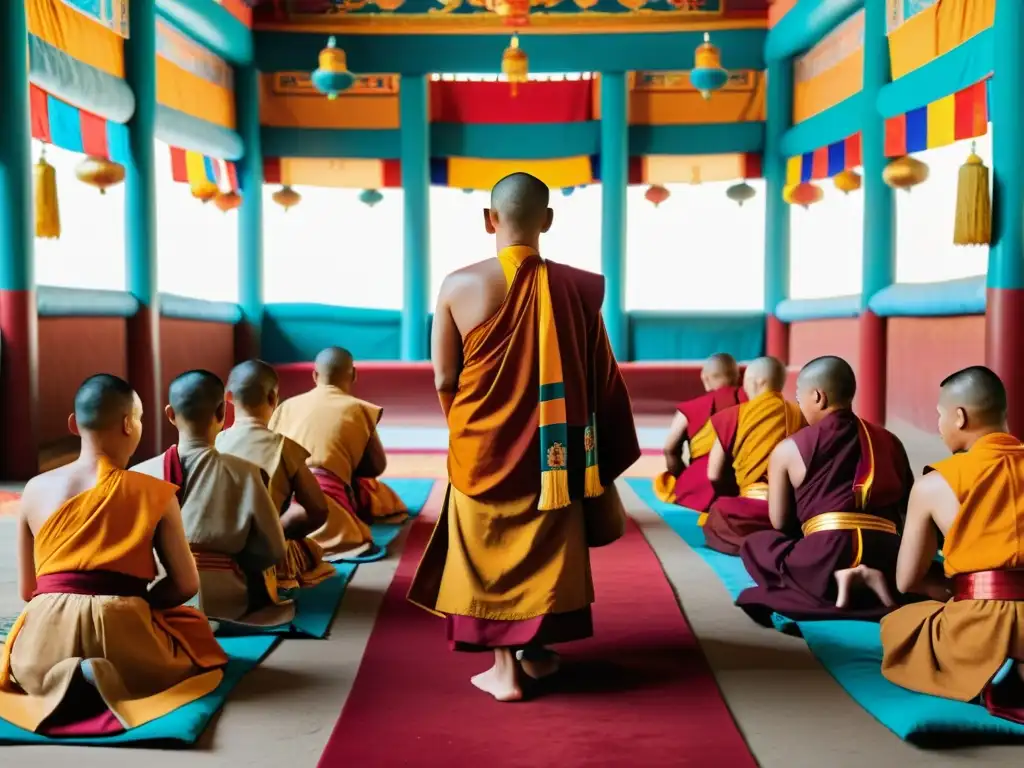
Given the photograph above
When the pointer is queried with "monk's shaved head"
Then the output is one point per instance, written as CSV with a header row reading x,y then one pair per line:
x,y
252,383
102,402
979,392
720,370
197,397
768,371
520,202
334,366
833,377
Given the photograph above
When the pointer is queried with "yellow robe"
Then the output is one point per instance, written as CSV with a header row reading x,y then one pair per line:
x,y
145,662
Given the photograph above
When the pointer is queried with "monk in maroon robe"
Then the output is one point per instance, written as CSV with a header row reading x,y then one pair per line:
x,y
850,481
687,484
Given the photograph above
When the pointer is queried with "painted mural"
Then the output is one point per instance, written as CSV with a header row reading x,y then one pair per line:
x,y
112,14
277,11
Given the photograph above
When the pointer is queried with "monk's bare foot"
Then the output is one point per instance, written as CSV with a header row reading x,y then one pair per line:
x,y
850,579
500,680
539,663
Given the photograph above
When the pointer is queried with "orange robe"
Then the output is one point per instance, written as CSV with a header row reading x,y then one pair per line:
x,y
748,434
955,649
691,488
93,561
504,572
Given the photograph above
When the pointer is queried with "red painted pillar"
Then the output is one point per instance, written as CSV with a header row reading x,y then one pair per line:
x,y
777,339
247,341
19,436
871,368
1004,324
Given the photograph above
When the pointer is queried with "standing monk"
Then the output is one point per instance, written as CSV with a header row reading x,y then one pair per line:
x,y
340,433
745,437
972,645
687,484
851,481
540,426
86,537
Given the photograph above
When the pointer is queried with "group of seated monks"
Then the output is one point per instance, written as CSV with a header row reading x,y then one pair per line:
x,y
830,523
124,571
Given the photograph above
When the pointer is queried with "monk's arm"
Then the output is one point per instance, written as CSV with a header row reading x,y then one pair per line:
x,y
182,580
374,460
26,559
310,509
718,461
445,348
674,444
920,538
782,465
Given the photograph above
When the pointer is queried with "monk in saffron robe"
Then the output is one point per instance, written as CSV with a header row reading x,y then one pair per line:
x,y
340,433
745,437
103,645
230,519
970,647
851,481
540,425
252,389
687,484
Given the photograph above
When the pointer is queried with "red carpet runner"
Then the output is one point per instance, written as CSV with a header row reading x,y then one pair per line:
x,y
640,693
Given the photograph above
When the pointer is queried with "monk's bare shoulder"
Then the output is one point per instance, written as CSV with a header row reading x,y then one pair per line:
x,y
473,294
471,277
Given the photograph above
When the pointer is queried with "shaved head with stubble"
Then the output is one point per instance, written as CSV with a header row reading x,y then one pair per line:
x,y
972,403
519,207
766,374
334,367
825,384
720,370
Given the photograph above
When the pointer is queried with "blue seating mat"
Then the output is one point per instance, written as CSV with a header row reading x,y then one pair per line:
x,y
414,492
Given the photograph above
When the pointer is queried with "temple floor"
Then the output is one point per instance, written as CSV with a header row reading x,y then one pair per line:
x,y
788,708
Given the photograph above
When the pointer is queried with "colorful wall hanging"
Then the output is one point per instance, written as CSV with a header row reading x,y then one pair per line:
x,y
831,71
490,102
202,171
58,123
962,115
192,79
76,29
670,98
110,14
825,162
921,31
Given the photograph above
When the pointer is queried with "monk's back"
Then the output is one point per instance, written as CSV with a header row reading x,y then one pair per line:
x,y
51,490
477,292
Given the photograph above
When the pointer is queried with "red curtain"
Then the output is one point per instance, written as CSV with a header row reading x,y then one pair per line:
x,y
476,103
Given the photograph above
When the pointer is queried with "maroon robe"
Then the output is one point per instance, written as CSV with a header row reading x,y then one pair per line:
x,y
795,573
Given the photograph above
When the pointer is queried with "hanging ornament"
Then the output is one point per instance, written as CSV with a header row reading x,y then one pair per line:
x,y
657,195
740,193
100,173
787,193
515,64
514,13
847,181
204,191
286,197
973,220
370,197
228,201
567,191
468,191
707,74
905,173
47,209
805,194
332,76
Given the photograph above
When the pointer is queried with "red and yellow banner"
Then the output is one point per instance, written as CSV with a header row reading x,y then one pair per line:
x,y
825,162
479,103
962,115
193,168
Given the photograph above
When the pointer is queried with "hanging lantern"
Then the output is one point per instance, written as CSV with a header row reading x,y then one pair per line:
x,y
657,195
204,191
973,220
707,74
100,173
740,193
287,198
905,173
515,65
47,209
468,191
332,76
370,197
228,201
805,194
847,181
567,191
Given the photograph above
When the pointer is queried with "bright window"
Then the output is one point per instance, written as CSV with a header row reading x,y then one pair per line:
x,y
90,251
333,249
697,251
197,243
924,220
826,245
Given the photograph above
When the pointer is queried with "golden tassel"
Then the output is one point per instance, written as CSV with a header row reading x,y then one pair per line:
x,y
554,490
702,518
973,220
592,487
47,208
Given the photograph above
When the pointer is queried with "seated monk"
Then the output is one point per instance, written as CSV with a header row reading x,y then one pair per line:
x,y
969,648
850,480
745,436
230,519
103,645
340,433
529,386
252,389
687,484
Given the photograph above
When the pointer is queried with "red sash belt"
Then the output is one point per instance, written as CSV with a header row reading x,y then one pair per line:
x,y
97,583
989,585
216,561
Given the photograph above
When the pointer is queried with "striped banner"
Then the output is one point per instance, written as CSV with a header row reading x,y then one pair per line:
x,y
190,56
962,115
188,167
825,162
58,123
112,14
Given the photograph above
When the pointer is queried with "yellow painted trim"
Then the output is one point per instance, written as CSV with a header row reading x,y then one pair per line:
x,y
362,111
814,95
76,34
183,91
935,31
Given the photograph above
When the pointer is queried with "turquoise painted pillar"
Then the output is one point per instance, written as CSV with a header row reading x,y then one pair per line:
x,y
19,443
614,180
776,246
879,243
140,226
1005,310
250,215
415,159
